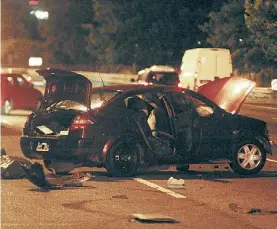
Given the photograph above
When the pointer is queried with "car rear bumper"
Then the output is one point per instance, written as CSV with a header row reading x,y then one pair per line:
x,y
61,149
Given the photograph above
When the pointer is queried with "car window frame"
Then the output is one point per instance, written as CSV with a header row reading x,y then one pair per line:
x,y
198,96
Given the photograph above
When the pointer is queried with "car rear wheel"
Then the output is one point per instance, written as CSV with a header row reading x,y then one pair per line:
x,y
7,107
248,158
123,159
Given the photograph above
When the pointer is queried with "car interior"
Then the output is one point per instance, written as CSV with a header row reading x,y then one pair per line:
x,y
156,120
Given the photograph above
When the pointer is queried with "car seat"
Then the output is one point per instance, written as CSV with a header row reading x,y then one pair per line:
x,y
158,122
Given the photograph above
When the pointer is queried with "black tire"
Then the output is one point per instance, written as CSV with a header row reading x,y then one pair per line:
x,y
248,157
7,107
53,169
123,159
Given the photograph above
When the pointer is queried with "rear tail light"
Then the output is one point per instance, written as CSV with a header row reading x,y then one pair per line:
x,y
81,122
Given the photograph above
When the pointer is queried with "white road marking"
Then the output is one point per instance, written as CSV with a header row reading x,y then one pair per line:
x,y
271,160
274,118
159,188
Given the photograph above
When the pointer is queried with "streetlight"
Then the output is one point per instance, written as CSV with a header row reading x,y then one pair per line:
x,y
40,14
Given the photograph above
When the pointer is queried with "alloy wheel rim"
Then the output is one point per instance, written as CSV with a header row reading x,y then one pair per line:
x,y
249,157
125,158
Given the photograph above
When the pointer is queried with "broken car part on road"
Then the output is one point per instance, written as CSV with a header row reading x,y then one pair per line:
x,y
36,175
11,166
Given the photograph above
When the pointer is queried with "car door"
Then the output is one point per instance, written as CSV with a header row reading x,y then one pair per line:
x,y
22,96
185,117
214,126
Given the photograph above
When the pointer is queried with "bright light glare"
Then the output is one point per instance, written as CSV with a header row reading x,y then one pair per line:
x,y
35,61
187,73
96,105
41,15
240,87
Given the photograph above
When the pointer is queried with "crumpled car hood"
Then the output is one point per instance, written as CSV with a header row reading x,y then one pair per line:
x,y
229,93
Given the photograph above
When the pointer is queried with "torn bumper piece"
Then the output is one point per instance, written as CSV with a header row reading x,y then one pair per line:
x,y
35,174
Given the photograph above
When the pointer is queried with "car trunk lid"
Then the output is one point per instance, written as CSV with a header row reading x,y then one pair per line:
x,y
229,93
65,85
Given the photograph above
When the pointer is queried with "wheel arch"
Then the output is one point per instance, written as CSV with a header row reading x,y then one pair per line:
x,y
243,136
126,137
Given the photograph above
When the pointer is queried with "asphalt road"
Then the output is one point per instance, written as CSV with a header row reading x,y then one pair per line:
x,y
213,196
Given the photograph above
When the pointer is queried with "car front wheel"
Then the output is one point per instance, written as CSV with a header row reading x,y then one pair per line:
x,y
248,158
123,159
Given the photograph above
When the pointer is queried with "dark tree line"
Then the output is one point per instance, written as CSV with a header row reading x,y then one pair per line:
x,y
104,34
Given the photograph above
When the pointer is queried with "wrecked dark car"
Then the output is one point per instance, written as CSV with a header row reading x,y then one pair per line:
x,y
113,126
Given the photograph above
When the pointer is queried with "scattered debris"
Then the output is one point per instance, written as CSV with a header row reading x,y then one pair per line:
x,y
120,197
254,210
36,175
236,208
175,183
152,218
11,166
261,211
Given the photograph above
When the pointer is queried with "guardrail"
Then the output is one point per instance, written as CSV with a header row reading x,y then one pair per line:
x,y
258,93
263,93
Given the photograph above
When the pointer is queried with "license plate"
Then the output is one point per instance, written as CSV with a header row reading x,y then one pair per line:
x,y
43,147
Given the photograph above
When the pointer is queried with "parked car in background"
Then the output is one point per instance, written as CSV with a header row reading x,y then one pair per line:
x,y
158,74
18,93
78,125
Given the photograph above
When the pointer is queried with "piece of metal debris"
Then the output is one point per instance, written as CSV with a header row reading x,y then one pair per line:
x,y
35,174
120,197
10,166
254,210
153,218
236,208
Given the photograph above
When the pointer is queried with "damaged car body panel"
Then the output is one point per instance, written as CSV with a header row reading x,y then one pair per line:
x,y
122,127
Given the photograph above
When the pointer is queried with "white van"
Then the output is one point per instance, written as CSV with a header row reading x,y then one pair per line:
x,y
202,65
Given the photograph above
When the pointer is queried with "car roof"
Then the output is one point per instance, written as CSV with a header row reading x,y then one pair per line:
x,y
138,87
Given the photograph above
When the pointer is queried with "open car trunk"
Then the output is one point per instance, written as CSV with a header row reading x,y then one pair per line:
x,y
56,119
65,85
67,94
